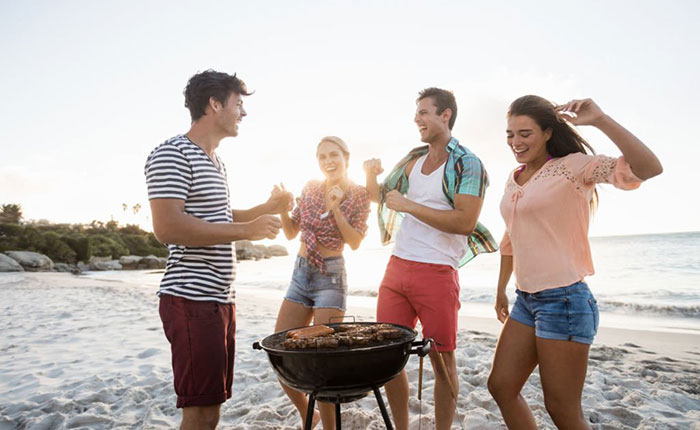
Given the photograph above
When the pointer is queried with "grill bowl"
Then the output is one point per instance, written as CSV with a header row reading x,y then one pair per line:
x,y
342,372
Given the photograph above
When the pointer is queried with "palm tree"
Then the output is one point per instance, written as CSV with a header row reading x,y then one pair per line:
x,y
10,213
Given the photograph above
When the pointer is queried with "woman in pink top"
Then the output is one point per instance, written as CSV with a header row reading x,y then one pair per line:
x,y
328,214
546,208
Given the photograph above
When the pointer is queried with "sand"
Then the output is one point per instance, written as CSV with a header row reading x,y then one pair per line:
x,y
81,353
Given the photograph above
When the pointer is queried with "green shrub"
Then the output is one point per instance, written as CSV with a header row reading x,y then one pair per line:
x,y
56,249
10,235
104,246
11,230
81,245
78,242
142,245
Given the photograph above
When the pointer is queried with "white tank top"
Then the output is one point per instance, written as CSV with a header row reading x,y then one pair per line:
x,y
416,240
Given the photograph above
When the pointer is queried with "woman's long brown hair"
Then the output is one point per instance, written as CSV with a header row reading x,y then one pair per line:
x,y
565,138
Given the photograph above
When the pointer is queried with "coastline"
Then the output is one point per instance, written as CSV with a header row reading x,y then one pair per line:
x,y
80,352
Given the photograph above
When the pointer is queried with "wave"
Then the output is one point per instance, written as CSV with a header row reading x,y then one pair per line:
x,y
686,311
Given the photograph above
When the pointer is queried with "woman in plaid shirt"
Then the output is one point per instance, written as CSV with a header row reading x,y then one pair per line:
x,y
329,214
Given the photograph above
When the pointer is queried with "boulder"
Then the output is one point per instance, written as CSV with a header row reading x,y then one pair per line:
x,y
63,267
130,262
8,264
278,250
263,250
105,265
31,261
245,250
152,262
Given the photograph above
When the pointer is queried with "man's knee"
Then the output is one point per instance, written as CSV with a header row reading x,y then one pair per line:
x,y
210,419
206,417
444,364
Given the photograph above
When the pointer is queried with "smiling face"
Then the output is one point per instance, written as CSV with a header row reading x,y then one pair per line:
x,y
431,126
228,116
527,140
332,161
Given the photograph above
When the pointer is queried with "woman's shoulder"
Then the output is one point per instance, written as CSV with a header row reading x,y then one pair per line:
x,y
357,190
576,158
313,185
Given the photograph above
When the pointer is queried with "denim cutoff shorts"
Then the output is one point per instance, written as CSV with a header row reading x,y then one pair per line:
x,y
564,313
314,290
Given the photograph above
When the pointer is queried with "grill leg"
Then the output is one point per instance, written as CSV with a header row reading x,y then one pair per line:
x,y
337,416
382,408
310,411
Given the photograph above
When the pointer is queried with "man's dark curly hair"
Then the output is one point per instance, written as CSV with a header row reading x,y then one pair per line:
x,y
210,83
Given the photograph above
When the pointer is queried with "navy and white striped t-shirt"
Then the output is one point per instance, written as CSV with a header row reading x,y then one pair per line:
x,y
179,169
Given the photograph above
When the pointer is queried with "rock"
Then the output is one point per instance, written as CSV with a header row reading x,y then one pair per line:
x,y
96,259
262,249
31,261
152,262
278,251
245,250
105,265
8,264
130,262
63,267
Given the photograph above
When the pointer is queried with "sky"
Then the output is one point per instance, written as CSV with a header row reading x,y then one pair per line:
x,y
90,88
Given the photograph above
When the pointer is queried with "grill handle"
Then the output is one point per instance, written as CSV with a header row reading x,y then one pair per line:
x,y
421,347
256,345
331,320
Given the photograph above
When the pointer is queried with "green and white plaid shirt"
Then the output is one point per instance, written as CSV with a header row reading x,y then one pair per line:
x,y
464,174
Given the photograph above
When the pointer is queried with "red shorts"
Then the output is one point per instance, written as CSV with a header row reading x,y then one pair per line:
x,y
430,292
201,336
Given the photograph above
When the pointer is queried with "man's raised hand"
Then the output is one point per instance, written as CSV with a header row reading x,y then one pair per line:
x,y
264,227
373,167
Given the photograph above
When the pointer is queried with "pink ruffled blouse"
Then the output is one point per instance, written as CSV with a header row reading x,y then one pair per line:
x,y
547,218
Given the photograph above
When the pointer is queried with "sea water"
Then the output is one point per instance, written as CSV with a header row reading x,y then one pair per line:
x,y
647,282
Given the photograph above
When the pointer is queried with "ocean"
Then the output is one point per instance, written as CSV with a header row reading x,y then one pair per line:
x,y
647,282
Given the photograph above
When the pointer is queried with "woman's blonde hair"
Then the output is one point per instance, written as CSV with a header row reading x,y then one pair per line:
x,y
338,141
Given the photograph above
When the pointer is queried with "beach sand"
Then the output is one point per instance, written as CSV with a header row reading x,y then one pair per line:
x,y
81,353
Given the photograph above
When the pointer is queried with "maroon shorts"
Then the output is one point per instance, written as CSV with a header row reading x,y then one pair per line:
x,y
201,336
412,290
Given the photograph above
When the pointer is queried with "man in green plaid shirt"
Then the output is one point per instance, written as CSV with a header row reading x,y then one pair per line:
x,y
429,204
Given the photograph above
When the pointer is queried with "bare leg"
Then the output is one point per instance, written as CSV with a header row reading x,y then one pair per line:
x,y
293,315
200,417
513,362
323,316
397,394
445,403
563,366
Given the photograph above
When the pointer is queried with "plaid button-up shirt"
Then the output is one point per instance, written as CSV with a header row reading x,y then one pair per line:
x,y
463,174
319,226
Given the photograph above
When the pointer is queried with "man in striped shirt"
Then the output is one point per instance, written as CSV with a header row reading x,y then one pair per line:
x,y
189,197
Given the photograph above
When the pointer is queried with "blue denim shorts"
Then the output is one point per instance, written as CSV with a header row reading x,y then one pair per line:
x,y
314,290
565,313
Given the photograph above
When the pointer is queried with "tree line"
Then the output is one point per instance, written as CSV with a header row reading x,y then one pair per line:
x,y
70,243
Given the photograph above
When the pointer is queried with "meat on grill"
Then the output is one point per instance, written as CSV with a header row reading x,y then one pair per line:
x,y
341,335
310,332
